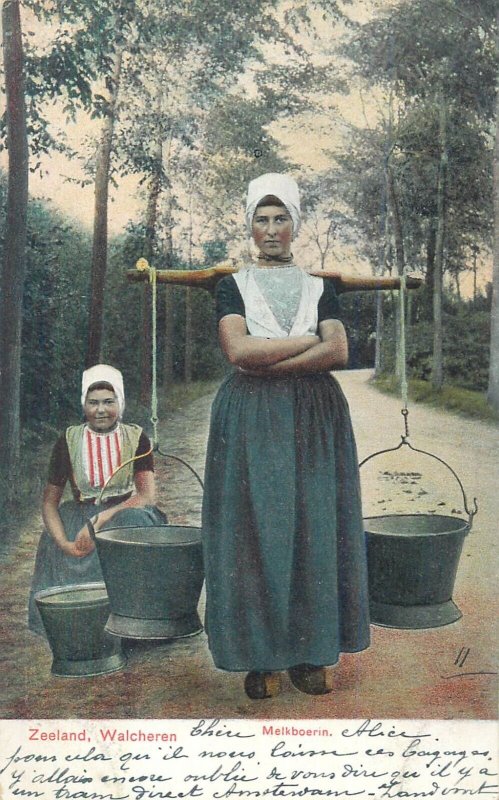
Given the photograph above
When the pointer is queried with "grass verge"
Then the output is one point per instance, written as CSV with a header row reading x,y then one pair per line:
x,y
182,394
452,398
176,397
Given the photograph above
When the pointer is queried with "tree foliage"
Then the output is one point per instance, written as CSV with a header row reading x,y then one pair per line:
x,y
436,63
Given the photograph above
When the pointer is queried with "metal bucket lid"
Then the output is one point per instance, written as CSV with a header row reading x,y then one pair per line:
x,y
74,596
158,535
415,525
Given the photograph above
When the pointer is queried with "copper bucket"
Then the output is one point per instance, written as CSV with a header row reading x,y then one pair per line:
x,y
412,565
413,560
154,576
74,618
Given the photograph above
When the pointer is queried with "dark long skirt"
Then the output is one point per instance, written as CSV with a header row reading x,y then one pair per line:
x,y
55,568
284,546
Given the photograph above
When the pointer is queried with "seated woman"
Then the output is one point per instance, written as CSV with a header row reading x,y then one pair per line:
x,y
87,455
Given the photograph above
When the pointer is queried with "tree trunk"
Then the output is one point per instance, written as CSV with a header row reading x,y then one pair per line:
x,y
189,329
99,247
430,269
430,255
493,388
169,305
437,365
378,348
393,206
379,334
323,258
14,262
475,249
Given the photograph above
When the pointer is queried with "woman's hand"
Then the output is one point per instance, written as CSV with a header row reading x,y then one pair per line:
x,y
83,544
145,495
52,495
256,352
330,353
70,549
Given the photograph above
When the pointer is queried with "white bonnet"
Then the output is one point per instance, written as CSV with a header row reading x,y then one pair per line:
x,y
282,186
104,373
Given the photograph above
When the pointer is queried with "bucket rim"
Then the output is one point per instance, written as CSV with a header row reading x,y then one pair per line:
x,y
465,525
42,594
101,535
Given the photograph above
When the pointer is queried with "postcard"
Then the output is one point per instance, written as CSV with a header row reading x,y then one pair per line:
x,y
249,422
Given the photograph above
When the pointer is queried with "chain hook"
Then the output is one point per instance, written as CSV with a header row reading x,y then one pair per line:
x,y
405,414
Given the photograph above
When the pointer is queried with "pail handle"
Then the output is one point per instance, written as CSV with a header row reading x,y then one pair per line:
x,y
91,529
470,512
157,449
142,455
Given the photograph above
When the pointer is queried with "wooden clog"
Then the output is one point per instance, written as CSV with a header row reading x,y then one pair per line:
x,y
311,680
261,685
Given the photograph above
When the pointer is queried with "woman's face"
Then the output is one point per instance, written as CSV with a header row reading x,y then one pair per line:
x,y
101,410
272,230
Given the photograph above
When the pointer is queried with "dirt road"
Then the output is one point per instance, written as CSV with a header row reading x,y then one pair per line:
x,y
445,672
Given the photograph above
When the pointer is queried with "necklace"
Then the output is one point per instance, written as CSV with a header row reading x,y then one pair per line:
x,y
280,259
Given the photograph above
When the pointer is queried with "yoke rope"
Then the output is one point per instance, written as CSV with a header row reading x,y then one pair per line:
x,y
404,439
403,365
143,265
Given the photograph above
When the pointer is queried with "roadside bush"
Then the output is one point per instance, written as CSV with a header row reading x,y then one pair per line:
x,y
466,333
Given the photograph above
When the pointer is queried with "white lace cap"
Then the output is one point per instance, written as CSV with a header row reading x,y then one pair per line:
x,y
107,374
282,186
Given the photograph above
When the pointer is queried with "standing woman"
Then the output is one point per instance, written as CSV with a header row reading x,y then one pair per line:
x,y
86,455
285,560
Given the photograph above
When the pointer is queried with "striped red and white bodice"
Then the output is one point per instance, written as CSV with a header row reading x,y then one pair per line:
x,y
101,455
